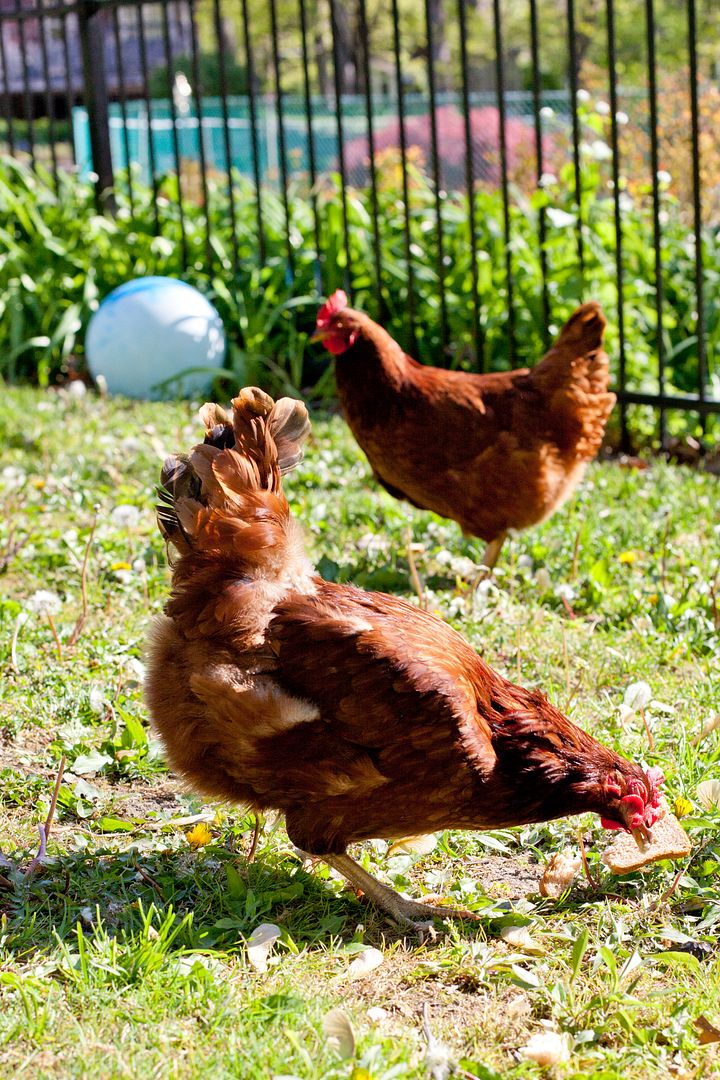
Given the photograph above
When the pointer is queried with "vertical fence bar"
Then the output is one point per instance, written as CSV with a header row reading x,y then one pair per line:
x,y
27,96
281,133
612,71
697,207
312,166
367,81
227,143
500,79
69,88
6,92
92,43
435,160
412,340
149,115
173,120
539,165
476,335
252,111
572,78
338,81
49,100
199,112
657,232
122,98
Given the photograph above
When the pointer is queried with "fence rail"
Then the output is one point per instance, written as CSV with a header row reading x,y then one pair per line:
x,y
542,194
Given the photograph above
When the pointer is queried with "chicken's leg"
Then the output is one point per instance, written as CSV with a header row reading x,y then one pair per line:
x,y
408,912
492,551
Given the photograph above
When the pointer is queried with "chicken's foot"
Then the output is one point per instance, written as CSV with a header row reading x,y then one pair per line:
x,y
407,912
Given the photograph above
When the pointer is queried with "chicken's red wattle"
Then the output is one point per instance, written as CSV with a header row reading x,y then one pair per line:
x,y
644,810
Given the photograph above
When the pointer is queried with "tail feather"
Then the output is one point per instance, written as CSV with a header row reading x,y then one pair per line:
x,y
585,329
235,476
290,427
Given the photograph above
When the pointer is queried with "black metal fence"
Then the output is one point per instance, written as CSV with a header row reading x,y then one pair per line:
x,y
492,132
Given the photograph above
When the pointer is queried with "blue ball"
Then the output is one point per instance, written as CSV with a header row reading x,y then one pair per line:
x,y
150,330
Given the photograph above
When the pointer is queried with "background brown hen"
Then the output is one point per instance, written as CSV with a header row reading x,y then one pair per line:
x,y
493,452
356,714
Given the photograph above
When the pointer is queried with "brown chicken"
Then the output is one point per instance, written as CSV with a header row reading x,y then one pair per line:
x,y
493,452
355,714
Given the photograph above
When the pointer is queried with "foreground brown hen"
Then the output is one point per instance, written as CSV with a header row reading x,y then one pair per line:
x,y
493,452
354,713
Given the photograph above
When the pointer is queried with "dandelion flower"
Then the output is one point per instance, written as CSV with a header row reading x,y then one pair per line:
x,y
198,836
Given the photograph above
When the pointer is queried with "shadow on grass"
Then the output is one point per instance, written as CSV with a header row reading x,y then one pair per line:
x,y
225,896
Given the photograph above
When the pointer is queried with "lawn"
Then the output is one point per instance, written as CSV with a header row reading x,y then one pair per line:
x,y
123,953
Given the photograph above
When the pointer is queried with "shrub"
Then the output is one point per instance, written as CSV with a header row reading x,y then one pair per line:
x,y
61,258
450,128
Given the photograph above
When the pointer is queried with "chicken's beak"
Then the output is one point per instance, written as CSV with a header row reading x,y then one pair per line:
x,y
319,335
642,835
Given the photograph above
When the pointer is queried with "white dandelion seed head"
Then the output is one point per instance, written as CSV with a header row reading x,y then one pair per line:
x,y
125,516
44,602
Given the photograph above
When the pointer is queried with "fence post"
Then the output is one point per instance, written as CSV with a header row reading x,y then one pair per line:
x,y
96,98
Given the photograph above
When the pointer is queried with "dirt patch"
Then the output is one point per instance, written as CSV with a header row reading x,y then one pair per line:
x,y
503,877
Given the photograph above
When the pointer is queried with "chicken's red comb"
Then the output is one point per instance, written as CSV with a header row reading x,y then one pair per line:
x,y
332,306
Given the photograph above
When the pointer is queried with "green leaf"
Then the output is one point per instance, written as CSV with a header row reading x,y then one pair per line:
x,y
578,952
676,959
236,885
114,824
93,761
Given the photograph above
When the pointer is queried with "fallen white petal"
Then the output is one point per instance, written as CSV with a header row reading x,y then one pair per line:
x,y
260,943
520,938
547,1048
365,962
422,844
339,1033
708,794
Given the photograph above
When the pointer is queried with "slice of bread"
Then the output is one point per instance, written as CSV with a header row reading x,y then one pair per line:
x,y
669,841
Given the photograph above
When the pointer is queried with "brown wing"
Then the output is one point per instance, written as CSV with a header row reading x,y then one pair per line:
x,y
384,674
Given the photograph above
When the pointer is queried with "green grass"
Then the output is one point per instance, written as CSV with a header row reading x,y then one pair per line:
x,y
124,954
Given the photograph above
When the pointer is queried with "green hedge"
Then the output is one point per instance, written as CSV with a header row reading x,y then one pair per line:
x,y
59,258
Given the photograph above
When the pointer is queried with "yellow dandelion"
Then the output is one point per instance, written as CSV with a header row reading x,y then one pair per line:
x,y
199,836
628,556
121,566
682,807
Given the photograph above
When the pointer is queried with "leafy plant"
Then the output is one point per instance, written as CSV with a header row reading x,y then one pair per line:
x,y
61,258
